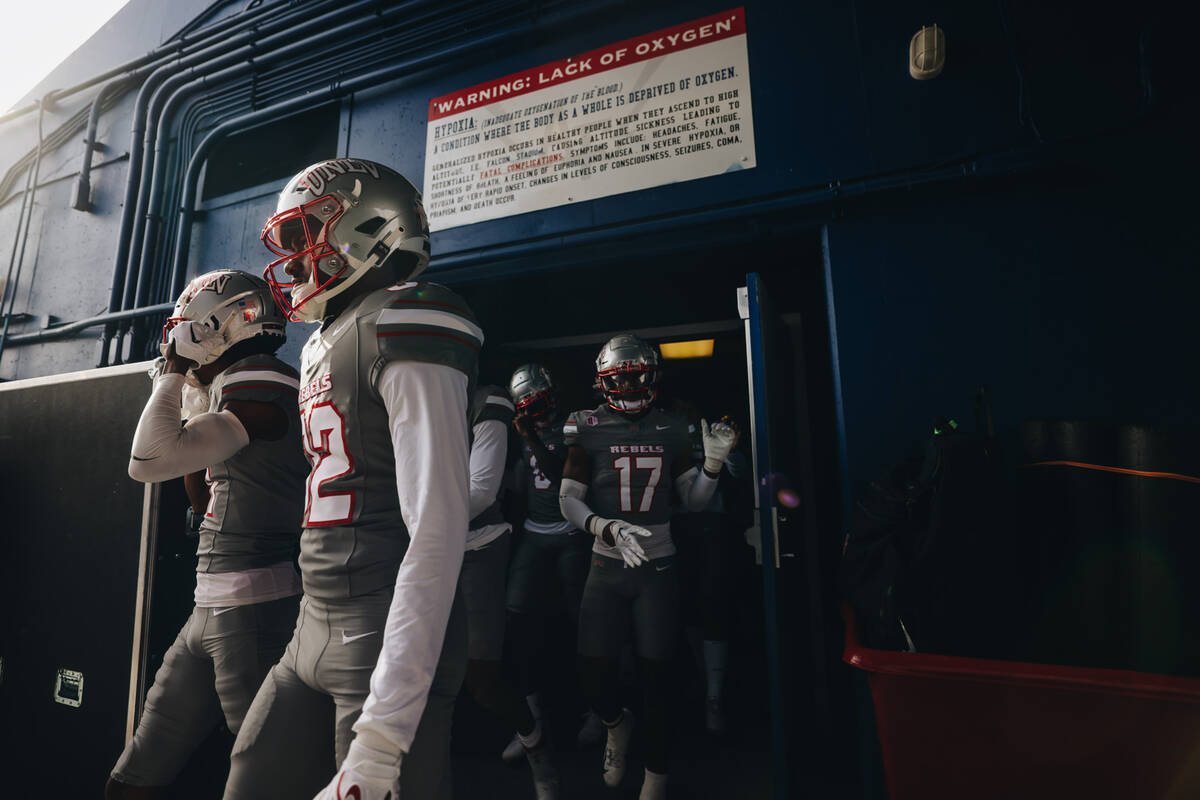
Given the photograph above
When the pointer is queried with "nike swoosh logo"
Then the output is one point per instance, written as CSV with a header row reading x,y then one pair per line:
x,y
348,639
219,611
661,427
662,569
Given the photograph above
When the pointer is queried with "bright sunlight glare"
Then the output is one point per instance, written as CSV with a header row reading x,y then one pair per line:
x,y
41,34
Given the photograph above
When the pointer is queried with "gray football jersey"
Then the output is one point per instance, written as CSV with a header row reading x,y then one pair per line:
x,y
354,535
257,496
631,464
541,492
490,403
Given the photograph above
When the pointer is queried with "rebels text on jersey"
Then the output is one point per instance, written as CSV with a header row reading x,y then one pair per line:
x,y
354,535
631,464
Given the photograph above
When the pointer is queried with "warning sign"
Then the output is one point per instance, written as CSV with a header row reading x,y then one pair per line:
x,y
669,106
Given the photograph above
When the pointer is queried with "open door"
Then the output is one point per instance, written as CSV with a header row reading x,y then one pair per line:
x,y
784,503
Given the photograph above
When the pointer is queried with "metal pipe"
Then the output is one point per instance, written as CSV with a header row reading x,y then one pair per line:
x,y
31,179
235,63
60,331
176,43
334,91
119,296
136,143
157,71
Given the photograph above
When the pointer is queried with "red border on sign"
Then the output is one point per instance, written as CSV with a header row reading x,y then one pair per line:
x,y
675,39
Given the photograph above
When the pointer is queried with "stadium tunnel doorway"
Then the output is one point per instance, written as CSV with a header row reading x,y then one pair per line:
x,y
561,318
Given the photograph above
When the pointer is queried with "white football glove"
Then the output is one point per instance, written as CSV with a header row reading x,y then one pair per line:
x,y
366,774
156,368
197,342
194,401
624,538
719,440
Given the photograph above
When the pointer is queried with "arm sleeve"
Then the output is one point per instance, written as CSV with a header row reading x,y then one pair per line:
x,y
695,488
163,449
570,502
427,414
489,452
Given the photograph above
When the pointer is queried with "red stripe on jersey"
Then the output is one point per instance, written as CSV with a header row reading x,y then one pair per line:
x,y
467,342
276,386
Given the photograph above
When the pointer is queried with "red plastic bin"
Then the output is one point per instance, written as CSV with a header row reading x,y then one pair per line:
x,y
969,729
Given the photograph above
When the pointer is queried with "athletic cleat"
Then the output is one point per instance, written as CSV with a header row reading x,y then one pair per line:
x,y
591,733
714,716
654,786
545,776
616,748
514,751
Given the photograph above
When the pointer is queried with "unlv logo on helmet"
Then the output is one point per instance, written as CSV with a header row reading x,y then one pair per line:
x,y
214,283
315,179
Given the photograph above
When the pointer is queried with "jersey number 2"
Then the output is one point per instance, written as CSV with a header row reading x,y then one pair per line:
x,y
325,444
625,465
540,481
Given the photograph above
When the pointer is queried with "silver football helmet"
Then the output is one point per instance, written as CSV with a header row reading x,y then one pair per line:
x,y
627,372
532,391
349,215
232,303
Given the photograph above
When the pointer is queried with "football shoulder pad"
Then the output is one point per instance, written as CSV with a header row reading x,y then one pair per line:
x,y
260,378
428,323
491,402
577,425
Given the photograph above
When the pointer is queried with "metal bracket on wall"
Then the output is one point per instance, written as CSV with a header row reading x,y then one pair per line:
x,y
68,688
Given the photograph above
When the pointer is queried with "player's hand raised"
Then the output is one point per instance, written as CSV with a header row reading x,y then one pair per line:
x,y
719,440
194,341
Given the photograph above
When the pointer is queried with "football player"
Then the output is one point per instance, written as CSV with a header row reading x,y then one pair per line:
x,y
613,486
552,559
243,427
706,551
482,585
367,684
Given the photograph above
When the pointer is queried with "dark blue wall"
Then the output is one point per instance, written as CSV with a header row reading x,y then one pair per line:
x,y
1069,291
833,103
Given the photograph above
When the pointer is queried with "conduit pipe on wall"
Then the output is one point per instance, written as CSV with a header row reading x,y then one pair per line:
x,y
332,92
10,282
62,331
147,270
83,186
175,44
317,30
148,217
238,39
176,59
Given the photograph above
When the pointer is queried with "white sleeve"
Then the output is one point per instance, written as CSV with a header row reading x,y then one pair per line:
x,y
489,453
427,414
163,449
571,503
695,488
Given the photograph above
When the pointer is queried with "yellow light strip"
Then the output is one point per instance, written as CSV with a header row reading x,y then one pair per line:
x,y
699,348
